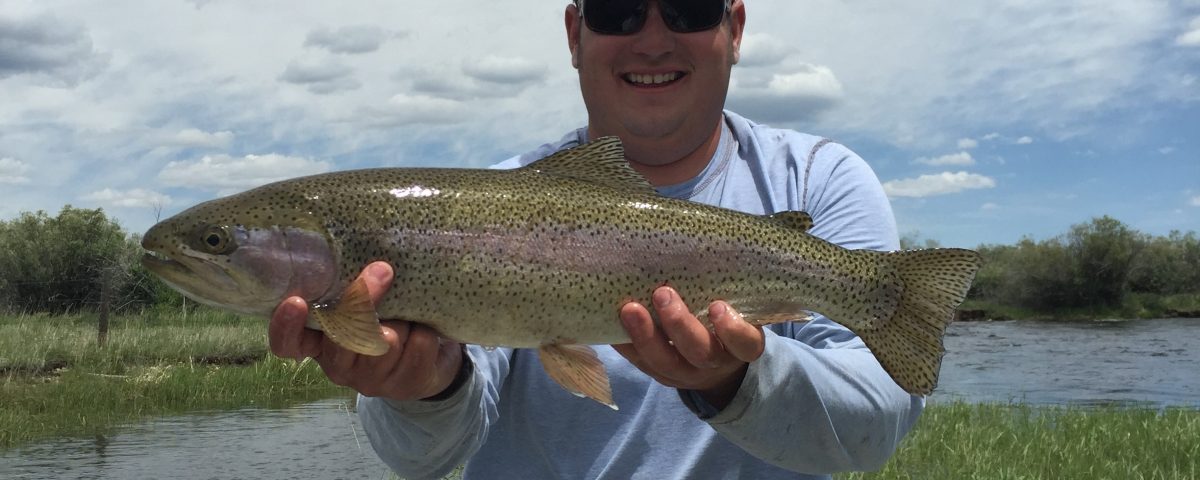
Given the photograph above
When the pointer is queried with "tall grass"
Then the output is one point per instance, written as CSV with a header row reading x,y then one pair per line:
x,y
990,441
33,345
55,380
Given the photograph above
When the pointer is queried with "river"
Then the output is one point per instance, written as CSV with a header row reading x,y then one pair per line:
x,y
1150,363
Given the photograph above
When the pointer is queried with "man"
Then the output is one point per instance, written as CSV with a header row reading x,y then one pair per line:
x,y
739,402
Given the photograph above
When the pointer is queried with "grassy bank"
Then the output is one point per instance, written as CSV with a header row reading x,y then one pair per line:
x,y
972,441
55,380
1134,306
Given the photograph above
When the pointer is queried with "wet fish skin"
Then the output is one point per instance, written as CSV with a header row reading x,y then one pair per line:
x,y
543,257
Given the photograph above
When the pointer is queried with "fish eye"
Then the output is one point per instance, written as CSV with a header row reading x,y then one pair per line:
x,y
216,240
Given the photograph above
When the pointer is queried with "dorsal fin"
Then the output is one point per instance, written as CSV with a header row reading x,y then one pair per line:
x,y
794,219
601,161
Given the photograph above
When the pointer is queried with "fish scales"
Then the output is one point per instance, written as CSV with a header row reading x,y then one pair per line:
x,y
544,256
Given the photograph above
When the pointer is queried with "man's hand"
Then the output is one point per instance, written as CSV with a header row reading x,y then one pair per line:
x,y
680,352
417,364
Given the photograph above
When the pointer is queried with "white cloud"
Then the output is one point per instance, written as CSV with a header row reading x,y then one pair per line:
x,y
1195,202
763,50
1190,38
989,206
196,138
796,93
12,171
404,109
1024,140
506,70
354,39
957,159
227,174
939,184
991,136
967,143
1166,150
135,198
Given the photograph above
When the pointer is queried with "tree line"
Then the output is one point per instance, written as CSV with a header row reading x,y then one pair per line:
x,y
80,259
77,260
1096,265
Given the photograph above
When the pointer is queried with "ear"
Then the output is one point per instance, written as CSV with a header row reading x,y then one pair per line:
x,y
573,24
737,24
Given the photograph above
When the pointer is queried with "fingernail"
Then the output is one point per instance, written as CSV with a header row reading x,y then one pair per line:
x,y
293,307
662,298
717,309
627,319
377,271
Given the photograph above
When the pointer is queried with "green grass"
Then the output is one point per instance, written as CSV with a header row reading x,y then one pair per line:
x,y
35,345
56,381
989,441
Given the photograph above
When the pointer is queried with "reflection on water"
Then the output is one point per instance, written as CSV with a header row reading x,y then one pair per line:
x,y
316,440
1150,363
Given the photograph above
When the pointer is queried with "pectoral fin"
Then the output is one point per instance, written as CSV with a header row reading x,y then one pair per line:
x,y
577,369
352,322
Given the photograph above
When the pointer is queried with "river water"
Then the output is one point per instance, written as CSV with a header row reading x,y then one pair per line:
x,y
1151,363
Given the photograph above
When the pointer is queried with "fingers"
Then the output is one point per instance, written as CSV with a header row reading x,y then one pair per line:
x,y
420,371
691,338
649,349
682,352
741,339
286,333
679,351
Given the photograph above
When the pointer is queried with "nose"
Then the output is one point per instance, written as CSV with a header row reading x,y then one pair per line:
x,y
654,40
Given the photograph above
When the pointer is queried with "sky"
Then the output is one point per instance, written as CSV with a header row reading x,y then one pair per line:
x,y
986,122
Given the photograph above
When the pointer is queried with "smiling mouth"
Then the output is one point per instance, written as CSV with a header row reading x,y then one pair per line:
x,y
652,80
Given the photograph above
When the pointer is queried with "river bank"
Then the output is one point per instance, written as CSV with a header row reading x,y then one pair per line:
x,y
1109,400
56,380
1135,306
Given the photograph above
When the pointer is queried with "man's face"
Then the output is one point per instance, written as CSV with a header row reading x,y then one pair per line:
x,y
656,86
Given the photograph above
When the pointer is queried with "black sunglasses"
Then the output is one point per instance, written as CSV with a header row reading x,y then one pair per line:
x,y
626,17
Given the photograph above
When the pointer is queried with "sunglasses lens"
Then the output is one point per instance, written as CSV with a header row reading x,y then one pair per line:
x,y
624,17
615,17
686,16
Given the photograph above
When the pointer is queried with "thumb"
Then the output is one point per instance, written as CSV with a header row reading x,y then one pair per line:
x,y
378,277
744,341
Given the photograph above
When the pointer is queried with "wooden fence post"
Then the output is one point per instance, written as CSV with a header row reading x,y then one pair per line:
x,y
105,294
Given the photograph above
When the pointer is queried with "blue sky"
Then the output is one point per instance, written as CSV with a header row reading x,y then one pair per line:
x,y
986,121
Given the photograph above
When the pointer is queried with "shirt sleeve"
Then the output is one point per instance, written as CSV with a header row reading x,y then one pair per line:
x,y
818,401
428,439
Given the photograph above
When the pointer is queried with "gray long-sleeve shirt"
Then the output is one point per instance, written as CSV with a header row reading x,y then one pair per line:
x,y
816,402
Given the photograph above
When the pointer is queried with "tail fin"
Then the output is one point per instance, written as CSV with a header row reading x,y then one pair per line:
x,y
909,344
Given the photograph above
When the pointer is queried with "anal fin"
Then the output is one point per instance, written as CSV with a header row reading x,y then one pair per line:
x,y
352,323
578,370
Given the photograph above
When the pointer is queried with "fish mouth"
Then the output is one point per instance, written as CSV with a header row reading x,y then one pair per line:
x,y
167,267
159,262
200,280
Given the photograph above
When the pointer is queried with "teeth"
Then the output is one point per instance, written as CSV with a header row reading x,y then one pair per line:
x,y
648,79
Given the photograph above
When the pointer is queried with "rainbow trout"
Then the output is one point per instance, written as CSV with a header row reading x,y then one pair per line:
x,y
543,257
